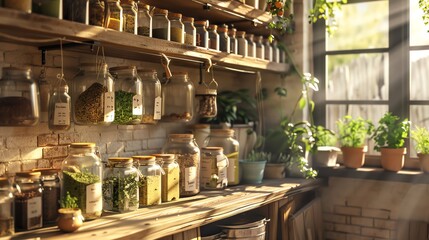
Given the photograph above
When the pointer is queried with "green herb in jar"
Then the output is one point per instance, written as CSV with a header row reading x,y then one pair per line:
x,y
124,108
121,194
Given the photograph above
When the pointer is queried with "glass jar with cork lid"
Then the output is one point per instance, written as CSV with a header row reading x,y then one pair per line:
x,y
213,37
260,48
152,101
116,20
144,20
213,168
150,180
251,45
190,31
160,24
233,44
51,193
224,42
202,37
129,15
170,190
242,43
178,95
177,29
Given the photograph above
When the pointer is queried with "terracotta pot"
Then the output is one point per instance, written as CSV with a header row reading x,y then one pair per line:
x,y
69,219
424,162
354,157
392,159
275,171
325,157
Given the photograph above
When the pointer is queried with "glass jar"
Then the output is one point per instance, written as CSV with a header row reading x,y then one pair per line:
x,y
74,10
51,193
224,138
282,53
201,132
202,37
152,100
52,8
22,5
260,48
19,99
45,91
59,109
178,98
7,210
251,45
93,96
129,16
170,179
121,186
190,31
233,44
160,24
276,52
268,50
144,20
242,43
213,168
206,101
98,13
81,177
188,156
28,201
116,20
213,37
224,43
128,95
177,29
150,180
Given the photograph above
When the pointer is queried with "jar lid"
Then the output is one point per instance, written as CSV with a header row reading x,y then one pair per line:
x,y
46,171
174,15
17,71
144,159
250,35
260,38
146,70
222,131
200,126
206,91
159,11
82,145
213,27
120,160
181,135
212,149
121,68
164,157
143,6
201,23
187,19
232,30
28,174
222,29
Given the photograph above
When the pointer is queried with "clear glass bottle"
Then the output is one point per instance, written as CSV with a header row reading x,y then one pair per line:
x,y
150,180
225,138
268,50
98,13
213,168
74,10
160,24
276,52
7,208
213,37
152,101
170,179
178,98
251,45
28,201
190,31
51,193
202,37
121,186
129,15
93,97
128,95
242,43
116,20
177,29
52,8
233,44
144,20
60,109
260,48
19,98
81,177
188,157
224,43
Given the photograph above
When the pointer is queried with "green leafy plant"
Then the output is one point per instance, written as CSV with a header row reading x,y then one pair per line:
x,y
424,6
68,201
256,156
391,132
323,136
421,136
354,132
326,10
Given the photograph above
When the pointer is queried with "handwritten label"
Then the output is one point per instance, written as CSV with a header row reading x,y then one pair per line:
x,y
222,164
94,201
109,107
62,114
34,210
191,179
157,108
137,105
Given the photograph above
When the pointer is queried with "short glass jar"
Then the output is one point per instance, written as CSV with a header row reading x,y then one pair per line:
x,y
7,208
129,14
160,24
251,45
202,37
51,193
233,44
150,180
116,20
206,103
59,112
144,20
152,101
268,50
260,48
178,98
177,29
190,31
170,190
213,168
213,37
224,43
242,43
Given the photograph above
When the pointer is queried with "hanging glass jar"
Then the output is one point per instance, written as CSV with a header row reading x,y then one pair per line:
x,y
52,8
213,168
19,99
213,37
128,95
177,29
75,10
28,201
7,213
81,177
150,180
268,50
251,45
242,43
178,98
152,101
160,24
233,44
188,156
225,138
93,98
170,190
260,48
129,16
116,20
98,12
144,20
121,186
190,31
51,193
276,52
206,98
59,109
202,37
224,43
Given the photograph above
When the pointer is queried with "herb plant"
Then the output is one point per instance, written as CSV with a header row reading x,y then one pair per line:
x,y
354,132
323,136
421,136
424,6
255,156
69,201
391,132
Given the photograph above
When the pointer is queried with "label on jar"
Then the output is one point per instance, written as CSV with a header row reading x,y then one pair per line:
x,y
109,106
222,170
62,114
34,207
206,170
232,172
94,198
157,108
190,179
137,105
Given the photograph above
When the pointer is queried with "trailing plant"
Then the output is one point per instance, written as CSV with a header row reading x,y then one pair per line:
x,y
424,6
326,10
354,132
323,136
256,156
421,136
68,201
391,132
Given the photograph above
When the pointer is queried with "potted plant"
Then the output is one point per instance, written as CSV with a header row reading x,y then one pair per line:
x,y
70,216
276,167
421,138
389,137
352,134
252,167
325,150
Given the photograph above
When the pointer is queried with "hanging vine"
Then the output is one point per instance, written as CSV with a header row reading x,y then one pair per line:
x,y
424,6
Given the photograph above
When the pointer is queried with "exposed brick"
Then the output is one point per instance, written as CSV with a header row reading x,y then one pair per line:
x,y
28,165
90,137
157,132
376,232
146,152
57,162
335,236
357,237
115,147
13,167
365,222
7,155
125,135
334,218
133,145
43,163
55,152
19,58
352,211
156,143
376,213
126,127
67,138
141,134
47,140
347,228
21,141
145,144
109,136
393,235
385,224
31,153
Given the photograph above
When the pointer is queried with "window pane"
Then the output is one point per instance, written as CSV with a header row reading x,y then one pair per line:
x,y
419,116
357,77
419,72
418,30
361,26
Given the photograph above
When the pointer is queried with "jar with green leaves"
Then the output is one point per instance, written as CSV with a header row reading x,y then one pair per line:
x,y
152,101
150,180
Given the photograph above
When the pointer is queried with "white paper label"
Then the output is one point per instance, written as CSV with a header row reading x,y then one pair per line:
x,y
190,179
34,207
157,108
222,163
205,170
232,174
62,114
109,106
94,198
137,105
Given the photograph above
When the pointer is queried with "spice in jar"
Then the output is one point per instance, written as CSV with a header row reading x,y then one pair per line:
x,y
160,24
129,15
213,168
96,13
51,193
213,37
206,100
190,31
7,225
150,180
170,178
176,27
116,15
144,20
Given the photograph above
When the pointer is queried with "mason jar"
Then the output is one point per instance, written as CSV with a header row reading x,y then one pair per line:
x,y
260,48
116,20
206,103
177,29
242,44
233,44
121,186
150,180
19,98
51,193
190,31
152,101
144,20
251,45
213,168
213,37
128,95
129,15
178,98
188,156
224,43
202,37
81,177
160,24
7,208
93,97
170,190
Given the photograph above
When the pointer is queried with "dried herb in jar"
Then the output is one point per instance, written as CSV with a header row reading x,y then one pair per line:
x,y
124,108
189,173
15,110
89,104
121,193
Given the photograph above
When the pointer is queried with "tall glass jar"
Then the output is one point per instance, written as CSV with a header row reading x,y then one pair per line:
x,y
81,177
188,157
178,98
93,97
251,45
19,99
202,37
177,29
150,180
224,43
52,8
60,109
116,20
51,193
190,31
213,168
213,37
242,43
129,14
276,52
144,20
233,44
28,201
128,95
160,24
260,48
7,213
225,138
74,10
98,13
152,101
170,179
121,186
268,50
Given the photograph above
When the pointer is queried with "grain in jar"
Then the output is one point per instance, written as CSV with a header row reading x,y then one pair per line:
x,y
224,43
170,190
233,43
206,101
177,29
190,31
116,20
129,15
242,43
161,25
202,37
7,215
144,20
98,13
213,37
150,180
213,168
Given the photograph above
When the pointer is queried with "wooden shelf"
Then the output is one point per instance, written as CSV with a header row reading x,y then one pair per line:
x,y
120,44
187,213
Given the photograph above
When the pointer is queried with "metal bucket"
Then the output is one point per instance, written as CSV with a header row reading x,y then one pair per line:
x,y
249,227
